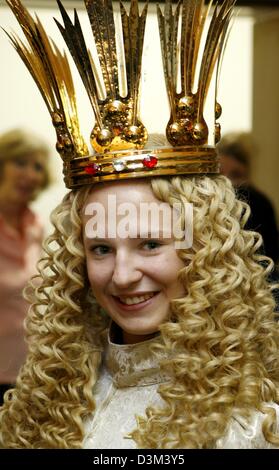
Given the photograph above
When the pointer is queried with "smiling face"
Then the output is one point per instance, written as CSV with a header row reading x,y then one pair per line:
x,y
134,278
22,178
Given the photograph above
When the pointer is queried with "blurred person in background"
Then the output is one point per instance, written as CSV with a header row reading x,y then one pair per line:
x,y
236,151
24,174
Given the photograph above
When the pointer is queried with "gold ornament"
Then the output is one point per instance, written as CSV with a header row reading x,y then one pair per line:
x,y
118,136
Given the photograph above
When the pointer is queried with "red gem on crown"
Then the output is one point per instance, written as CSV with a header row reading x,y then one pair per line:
x,y
92,169
150,161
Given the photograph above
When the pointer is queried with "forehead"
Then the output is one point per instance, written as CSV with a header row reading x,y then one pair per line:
x,y
126,206
32,156
134,191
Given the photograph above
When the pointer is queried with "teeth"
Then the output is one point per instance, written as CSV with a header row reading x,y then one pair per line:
x,y
135,300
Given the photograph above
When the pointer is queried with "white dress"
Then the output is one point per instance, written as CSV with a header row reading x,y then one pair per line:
x,y
128,383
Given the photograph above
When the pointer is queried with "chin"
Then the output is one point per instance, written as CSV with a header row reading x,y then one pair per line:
x,y
140,330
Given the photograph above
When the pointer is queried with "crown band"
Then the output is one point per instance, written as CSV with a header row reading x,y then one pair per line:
x,y
141,163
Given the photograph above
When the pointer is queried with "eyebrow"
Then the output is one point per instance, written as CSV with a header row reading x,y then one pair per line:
x,y
145,236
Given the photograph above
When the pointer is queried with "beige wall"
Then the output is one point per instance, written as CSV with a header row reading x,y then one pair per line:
x,y
266,106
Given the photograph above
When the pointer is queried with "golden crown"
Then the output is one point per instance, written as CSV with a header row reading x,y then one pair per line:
x,y
119,137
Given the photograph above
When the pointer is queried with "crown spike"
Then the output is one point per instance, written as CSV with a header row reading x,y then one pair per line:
x,y
212,51
127,46
52,75
210,47
133,28
137,36
171,28
26,56
73,36
102,23
174,42
168,28
187,125
198,22
187,46
117,122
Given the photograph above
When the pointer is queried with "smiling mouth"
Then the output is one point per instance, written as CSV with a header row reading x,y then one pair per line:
x,y
136,299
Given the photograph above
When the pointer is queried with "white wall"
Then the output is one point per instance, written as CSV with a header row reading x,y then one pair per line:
x,y
22,105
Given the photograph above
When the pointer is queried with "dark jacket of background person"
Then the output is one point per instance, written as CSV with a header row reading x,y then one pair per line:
x,y
262,219
236,155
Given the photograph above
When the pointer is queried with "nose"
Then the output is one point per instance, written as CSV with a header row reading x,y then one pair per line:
x,y
126,270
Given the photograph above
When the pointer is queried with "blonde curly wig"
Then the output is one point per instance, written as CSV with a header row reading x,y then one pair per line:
x,y
222,335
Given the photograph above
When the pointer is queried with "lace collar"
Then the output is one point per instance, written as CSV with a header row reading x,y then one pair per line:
x,y
137,364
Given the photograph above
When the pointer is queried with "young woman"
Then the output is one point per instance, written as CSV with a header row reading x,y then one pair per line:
x,y
136,340
191,356
23,175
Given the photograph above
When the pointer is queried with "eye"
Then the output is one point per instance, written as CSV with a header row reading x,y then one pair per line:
x,y
38,167
151,245
100,250
20,162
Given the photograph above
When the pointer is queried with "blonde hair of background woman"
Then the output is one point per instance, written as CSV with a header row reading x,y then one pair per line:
x,y
18,143
222,335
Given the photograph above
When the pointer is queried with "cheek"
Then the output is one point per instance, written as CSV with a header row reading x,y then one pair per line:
x,y
169,267
165,271
9,174
173,286
40,180
99,275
